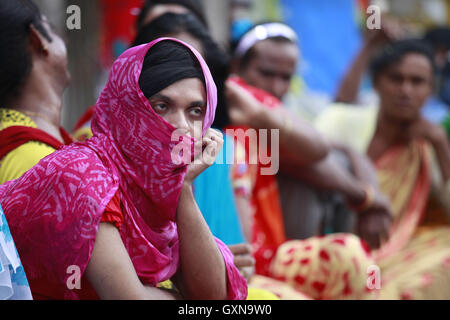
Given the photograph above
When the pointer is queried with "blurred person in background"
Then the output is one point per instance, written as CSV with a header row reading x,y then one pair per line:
x,y
33,77
266,59
152,9
412,158
436,108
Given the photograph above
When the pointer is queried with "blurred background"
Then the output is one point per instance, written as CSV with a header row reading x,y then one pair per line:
x,y
330,32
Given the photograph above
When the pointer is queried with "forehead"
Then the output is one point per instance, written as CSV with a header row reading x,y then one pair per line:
x,y
413,64
190,89
276,52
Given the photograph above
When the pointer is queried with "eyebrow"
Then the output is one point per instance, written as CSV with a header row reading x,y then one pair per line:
x,y
200,103
162,97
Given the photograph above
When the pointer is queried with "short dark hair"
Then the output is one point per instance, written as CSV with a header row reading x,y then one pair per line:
x,y
16,16
394,53
170,23
195,6
438,37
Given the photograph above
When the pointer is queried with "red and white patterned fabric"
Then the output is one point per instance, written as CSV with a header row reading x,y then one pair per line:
x,y
326,268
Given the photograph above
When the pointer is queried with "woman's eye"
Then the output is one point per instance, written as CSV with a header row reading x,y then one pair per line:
x,y
160,107
197,112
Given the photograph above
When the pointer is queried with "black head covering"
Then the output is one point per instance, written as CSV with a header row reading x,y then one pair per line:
x,y
166,63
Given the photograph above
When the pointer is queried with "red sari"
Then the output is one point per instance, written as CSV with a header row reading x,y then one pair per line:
x,y
268,229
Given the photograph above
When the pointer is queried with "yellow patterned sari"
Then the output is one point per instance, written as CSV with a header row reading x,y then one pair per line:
x,y
415,262
416,259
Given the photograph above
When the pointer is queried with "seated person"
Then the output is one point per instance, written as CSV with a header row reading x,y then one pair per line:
x,y
265,61
120,208
412,159
33,76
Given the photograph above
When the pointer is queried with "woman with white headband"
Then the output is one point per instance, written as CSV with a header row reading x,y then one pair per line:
x,y
266,59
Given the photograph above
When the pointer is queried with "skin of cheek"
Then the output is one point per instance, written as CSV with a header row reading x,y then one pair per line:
x,y
388,93
58,56
184,95
413,97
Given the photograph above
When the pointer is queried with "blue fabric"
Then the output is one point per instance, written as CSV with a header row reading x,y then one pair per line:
x,y
329,39
213,191
239,28
435,110
13,281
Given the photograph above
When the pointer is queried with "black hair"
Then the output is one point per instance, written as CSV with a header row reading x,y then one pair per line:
x,y
396,51
250,54
216,58
438,37
170,23
16,17
195,6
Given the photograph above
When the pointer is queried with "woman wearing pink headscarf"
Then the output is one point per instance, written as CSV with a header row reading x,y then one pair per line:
x,y
114,216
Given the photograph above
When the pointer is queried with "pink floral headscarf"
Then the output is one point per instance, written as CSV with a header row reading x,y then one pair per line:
x,y
54,210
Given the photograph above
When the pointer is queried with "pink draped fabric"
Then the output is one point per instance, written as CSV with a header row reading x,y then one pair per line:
x,y
54,210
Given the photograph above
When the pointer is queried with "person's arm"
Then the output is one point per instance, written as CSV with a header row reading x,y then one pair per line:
x,y
243,177
245,211
207,270
361,166
349,87
374,222
203,273
437,137
441,148
300,143
375,217
327,175
111,272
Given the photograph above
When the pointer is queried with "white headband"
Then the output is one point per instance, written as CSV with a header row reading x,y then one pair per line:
x,y
263,32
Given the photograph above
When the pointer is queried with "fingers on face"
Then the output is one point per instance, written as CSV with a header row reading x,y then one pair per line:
x,y
214,135
213,141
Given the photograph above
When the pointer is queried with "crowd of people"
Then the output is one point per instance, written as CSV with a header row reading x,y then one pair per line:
x,y
110,211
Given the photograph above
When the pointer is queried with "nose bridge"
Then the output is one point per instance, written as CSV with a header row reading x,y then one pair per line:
x,y
406,86
279,86
178,119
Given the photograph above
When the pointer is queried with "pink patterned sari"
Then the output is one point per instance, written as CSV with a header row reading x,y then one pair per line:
x,y
54,210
